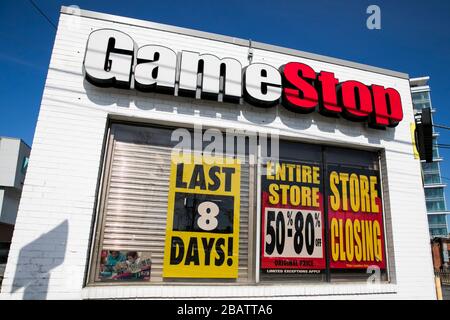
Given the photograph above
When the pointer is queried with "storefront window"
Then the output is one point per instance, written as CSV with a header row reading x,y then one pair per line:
x,y
166,219
355,214
170,217
292,215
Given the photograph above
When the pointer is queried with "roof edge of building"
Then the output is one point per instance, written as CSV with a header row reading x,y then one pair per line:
x,y
14,138
228,39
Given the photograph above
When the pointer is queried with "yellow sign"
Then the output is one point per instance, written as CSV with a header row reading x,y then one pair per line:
x,y
413,140
202,233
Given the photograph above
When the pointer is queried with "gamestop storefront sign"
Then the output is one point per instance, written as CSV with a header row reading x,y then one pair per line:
x,y
113,60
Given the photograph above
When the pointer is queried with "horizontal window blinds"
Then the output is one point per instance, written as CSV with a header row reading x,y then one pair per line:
x,y
135,210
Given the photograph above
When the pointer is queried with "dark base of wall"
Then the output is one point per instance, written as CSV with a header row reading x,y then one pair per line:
x,y
6,232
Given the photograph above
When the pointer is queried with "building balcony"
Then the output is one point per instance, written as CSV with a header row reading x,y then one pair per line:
x,y
435,185
444,212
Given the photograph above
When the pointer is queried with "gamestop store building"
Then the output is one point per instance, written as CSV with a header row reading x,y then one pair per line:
x,y
174,163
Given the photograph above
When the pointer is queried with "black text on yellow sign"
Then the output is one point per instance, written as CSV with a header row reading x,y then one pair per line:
x,y
289,184
355,192
355,213
356,240
202,234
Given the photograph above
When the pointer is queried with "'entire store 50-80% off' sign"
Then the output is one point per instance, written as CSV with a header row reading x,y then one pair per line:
x,y
292,218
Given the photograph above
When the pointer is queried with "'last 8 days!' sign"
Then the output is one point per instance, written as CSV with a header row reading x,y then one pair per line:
x,y
292,218
202,233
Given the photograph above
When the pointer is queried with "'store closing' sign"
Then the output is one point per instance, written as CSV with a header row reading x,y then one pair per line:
x,y
202,234
355,217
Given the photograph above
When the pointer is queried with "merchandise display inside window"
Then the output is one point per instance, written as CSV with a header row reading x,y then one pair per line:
x,y
311,214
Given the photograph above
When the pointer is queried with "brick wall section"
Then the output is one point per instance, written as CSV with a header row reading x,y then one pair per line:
x,y
49,253
436,251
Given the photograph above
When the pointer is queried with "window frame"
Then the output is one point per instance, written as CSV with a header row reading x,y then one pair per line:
x,y
254,216
97,234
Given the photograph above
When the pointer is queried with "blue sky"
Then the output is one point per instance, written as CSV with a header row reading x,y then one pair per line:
x,y
414,38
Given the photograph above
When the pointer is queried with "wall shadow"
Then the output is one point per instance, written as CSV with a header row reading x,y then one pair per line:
x,y
37,259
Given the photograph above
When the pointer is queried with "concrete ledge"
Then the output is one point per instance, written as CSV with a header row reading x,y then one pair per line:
x,y
339,291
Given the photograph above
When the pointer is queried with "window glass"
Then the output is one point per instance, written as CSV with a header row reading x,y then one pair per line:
x,y
434,206
435,148
435,153
436,219
24,167
419,106
430,167
438,232
167,217
349,211
432,178
434,193
292,216
355,215
420,96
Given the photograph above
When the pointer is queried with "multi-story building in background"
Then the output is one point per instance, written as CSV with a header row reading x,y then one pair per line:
x,y
14,154
433,181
